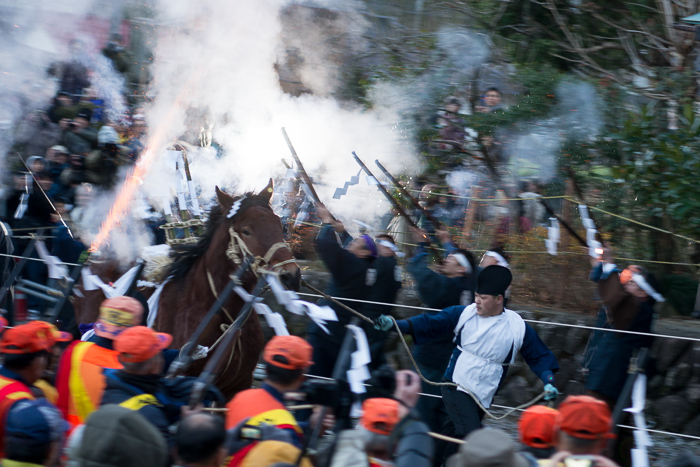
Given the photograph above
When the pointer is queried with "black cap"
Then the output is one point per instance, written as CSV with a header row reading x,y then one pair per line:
x,y
493,280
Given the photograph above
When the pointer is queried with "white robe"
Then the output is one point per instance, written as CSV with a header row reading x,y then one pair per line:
x,y
484,344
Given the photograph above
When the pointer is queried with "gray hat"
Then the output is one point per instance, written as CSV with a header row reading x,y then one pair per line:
x,y
118,437
488,446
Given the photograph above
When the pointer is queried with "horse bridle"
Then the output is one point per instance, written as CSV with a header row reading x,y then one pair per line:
x,y
238,249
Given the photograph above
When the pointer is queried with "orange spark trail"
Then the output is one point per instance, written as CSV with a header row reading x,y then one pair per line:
x,y
134,179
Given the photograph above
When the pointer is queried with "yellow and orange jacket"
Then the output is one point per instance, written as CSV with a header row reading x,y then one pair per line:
x,y
259,406
80,380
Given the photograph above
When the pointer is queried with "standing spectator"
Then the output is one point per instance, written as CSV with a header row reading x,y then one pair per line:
x,y
388,430
451,127
199,441
78,136
62,108
488,447
102,163
582,428
536,430
73,75
137,385
353,275
25,355
120,57
488,337
33,434
80,379
451,283
492,100
119,437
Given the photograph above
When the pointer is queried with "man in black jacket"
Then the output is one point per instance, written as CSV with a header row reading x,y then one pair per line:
x,y
384,290
353,276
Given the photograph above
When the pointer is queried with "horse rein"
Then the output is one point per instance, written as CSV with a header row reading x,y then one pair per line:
x,y
238,249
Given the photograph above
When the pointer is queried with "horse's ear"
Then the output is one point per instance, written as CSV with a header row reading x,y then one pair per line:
x,y
267,191
225,200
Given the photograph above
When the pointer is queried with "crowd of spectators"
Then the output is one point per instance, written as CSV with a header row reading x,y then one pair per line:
x,y
141,421
63,155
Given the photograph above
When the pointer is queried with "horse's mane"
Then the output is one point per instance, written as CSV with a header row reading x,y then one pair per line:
x,y
186,255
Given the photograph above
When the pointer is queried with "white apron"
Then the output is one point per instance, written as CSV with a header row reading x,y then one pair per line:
x,y
485,344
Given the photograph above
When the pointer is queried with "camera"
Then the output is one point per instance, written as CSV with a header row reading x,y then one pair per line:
x,y
580,461
337,394
72,125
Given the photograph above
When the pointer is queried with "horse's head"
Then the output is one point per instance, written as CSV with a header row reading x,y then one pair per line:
x,y
256,230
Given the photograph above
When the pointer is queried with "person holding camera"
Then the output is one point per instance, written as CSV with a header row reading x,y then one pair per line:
x,y
78,136
286,358
389,432
487,336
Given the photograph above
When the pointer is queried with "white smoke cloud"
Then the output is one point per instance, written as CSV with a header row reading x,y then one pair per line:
x,y
534,152
220,58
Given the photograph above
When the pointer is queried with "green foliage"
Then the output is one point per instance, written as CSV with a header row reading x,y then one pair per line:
x,y
537,96
659,165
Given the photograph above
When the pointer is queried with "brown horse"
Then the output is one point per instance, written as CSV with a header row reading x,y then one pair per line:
x,y
201,271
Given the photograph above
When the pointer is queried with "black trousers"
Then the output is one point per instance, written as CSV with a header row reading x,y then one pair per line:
x,y
464,416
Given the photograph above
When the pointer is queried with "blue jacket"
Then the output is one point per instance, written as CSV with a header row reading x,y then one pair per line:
x,y
426,327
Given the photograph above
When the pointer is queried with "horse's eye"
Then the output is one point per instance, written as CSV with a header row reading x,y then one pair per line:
x,y
245,232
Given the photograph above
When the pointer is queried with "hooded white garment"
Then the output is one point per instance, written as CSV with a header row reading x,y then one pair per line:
x,y
485,343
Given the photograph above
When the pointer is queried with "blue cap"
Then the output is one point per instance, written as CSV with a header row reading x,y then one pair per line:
x,y
34,422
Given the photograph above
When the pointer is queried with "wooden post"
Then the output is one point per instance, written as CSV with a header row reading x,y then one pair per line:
x,y
564,246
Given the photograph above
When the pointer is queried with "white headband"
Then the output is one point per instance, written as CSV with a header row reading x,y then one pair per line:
x,y
462,260
501,260
391,246
644,285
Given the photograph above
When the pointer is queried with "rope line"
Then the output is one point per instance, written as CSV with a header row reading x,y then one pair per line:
x,y
549,323
456,440
636,222
34,259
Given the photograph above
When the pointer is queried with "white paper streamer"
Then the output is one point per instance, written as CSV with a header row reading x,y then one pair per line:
x,y
93,282
153,302
640,458
358,372
290,300
588,223
274,320
236,206
56,269
554,236
193,198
